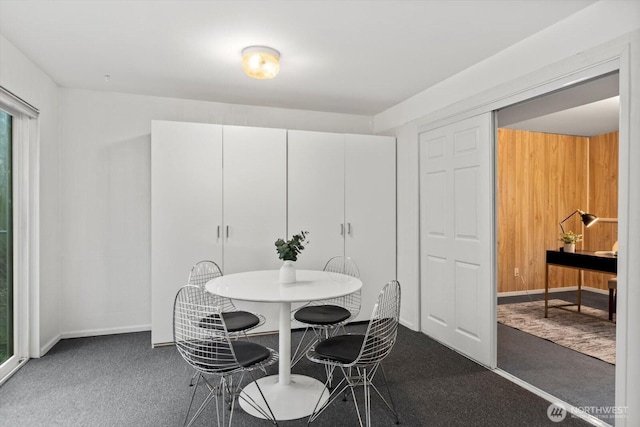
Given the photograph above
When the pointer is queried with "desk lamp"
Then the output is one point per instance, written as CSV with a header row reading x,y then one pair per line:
x,y
587,219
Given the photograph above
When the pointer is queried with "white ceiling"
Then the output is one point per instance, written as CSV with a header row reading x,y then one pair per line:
x,y
587,108
358,57
596,118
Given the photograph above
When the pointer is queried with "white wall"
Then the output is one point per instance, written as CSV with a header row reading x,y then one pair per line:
x,y
20,76
105,196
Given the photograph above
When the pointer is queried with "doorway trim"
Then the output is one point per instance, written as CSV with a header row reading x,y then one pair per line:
x,y
26,227
613,56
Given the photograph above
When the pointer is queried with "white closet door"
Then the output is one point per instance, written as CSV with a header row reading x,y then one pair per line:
x,y
255,205
370,212
316,194
255,198
186,210
456,237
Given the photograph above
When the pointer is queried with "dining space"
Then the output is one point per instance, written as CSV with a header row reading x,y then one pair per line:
x,y
274,181
214,338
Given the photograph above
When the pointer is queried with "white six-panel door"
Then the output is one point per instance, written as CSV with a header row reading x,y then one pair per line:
x,y
456,237
186,211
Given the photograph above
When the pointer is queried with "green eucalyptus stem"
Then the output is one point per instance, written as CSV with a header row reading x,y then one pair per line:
x,y
290,249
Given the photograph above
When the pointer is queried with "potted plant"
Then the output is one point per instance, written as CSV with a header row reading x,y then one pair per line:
x,y
288,251
570,239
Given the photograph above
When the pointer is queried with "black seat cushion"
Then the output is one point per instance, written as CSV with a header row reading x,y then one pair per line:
x,y
235,321
341,348
213,356
240,320
249,353
322,314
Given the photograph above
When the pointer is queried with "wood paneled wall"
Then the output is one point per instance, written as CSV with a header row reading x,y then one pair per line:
x,y
603,200
542,178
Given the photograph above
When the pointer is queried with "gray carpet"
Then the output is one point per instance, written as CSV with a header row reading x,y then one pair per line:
x,y
567,374
119,380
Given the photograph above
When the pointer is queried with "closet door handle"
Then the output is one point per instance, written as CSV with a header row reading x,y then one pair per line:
x,y
218,232
349,228
342,229
227,229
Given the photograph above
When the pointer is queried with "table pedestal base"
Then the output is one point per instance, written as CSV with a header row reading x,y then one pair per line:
x,y
296,400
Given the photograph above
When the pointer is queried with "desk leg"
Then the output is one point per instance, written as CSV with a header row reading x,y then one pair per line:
x,y
580,279
284,346
611,304
546,290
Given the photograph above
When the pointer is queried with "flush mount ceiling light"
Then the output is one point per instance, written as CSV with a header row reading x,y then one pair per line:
x,y
260,62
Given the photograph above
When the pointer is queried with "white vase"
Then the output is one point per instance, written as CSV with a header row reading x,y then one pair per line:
x,y
288,272
570,247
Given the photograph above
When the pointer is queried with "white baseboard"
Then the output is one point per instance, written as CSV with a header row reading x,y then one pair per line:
x,y
48,346
572,410
408,324
107,331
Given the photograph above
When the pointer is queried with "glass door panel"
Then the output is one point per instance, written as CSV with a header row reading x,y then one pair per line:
x,y
6,245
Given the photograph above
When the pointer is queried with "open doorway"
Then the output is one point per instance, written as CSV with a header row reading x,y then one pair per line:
x,y
558,154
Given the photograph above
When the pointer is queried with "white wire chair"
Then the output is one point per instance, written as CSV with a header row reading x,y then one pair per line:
x,y
201,337
238,322
325,317
359,357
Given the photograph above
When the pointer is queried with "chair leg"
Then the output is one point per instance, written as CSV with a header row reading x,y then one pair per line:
x,y
363,377
193,394
392,408
355,400
367,398
301,350
611,304
298,354
268,414
339,389
193,377
367,384
212,395
344,396
228,401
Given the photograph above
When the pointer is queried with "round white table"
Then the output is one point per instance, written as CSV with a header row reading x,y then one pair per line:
x,y
289,396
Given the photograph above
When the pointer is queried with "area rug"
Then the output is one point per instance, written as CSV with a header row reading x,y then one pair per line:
x,y
593,335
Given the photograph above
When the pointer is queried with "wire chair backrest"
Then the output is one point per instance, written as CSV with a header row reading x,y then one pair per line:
x,y
383,327
202,272
205,271
343,265
199,332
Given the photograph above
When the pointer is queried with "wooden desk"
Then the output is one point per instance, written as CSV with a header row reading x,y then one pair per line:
x,y
582,260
